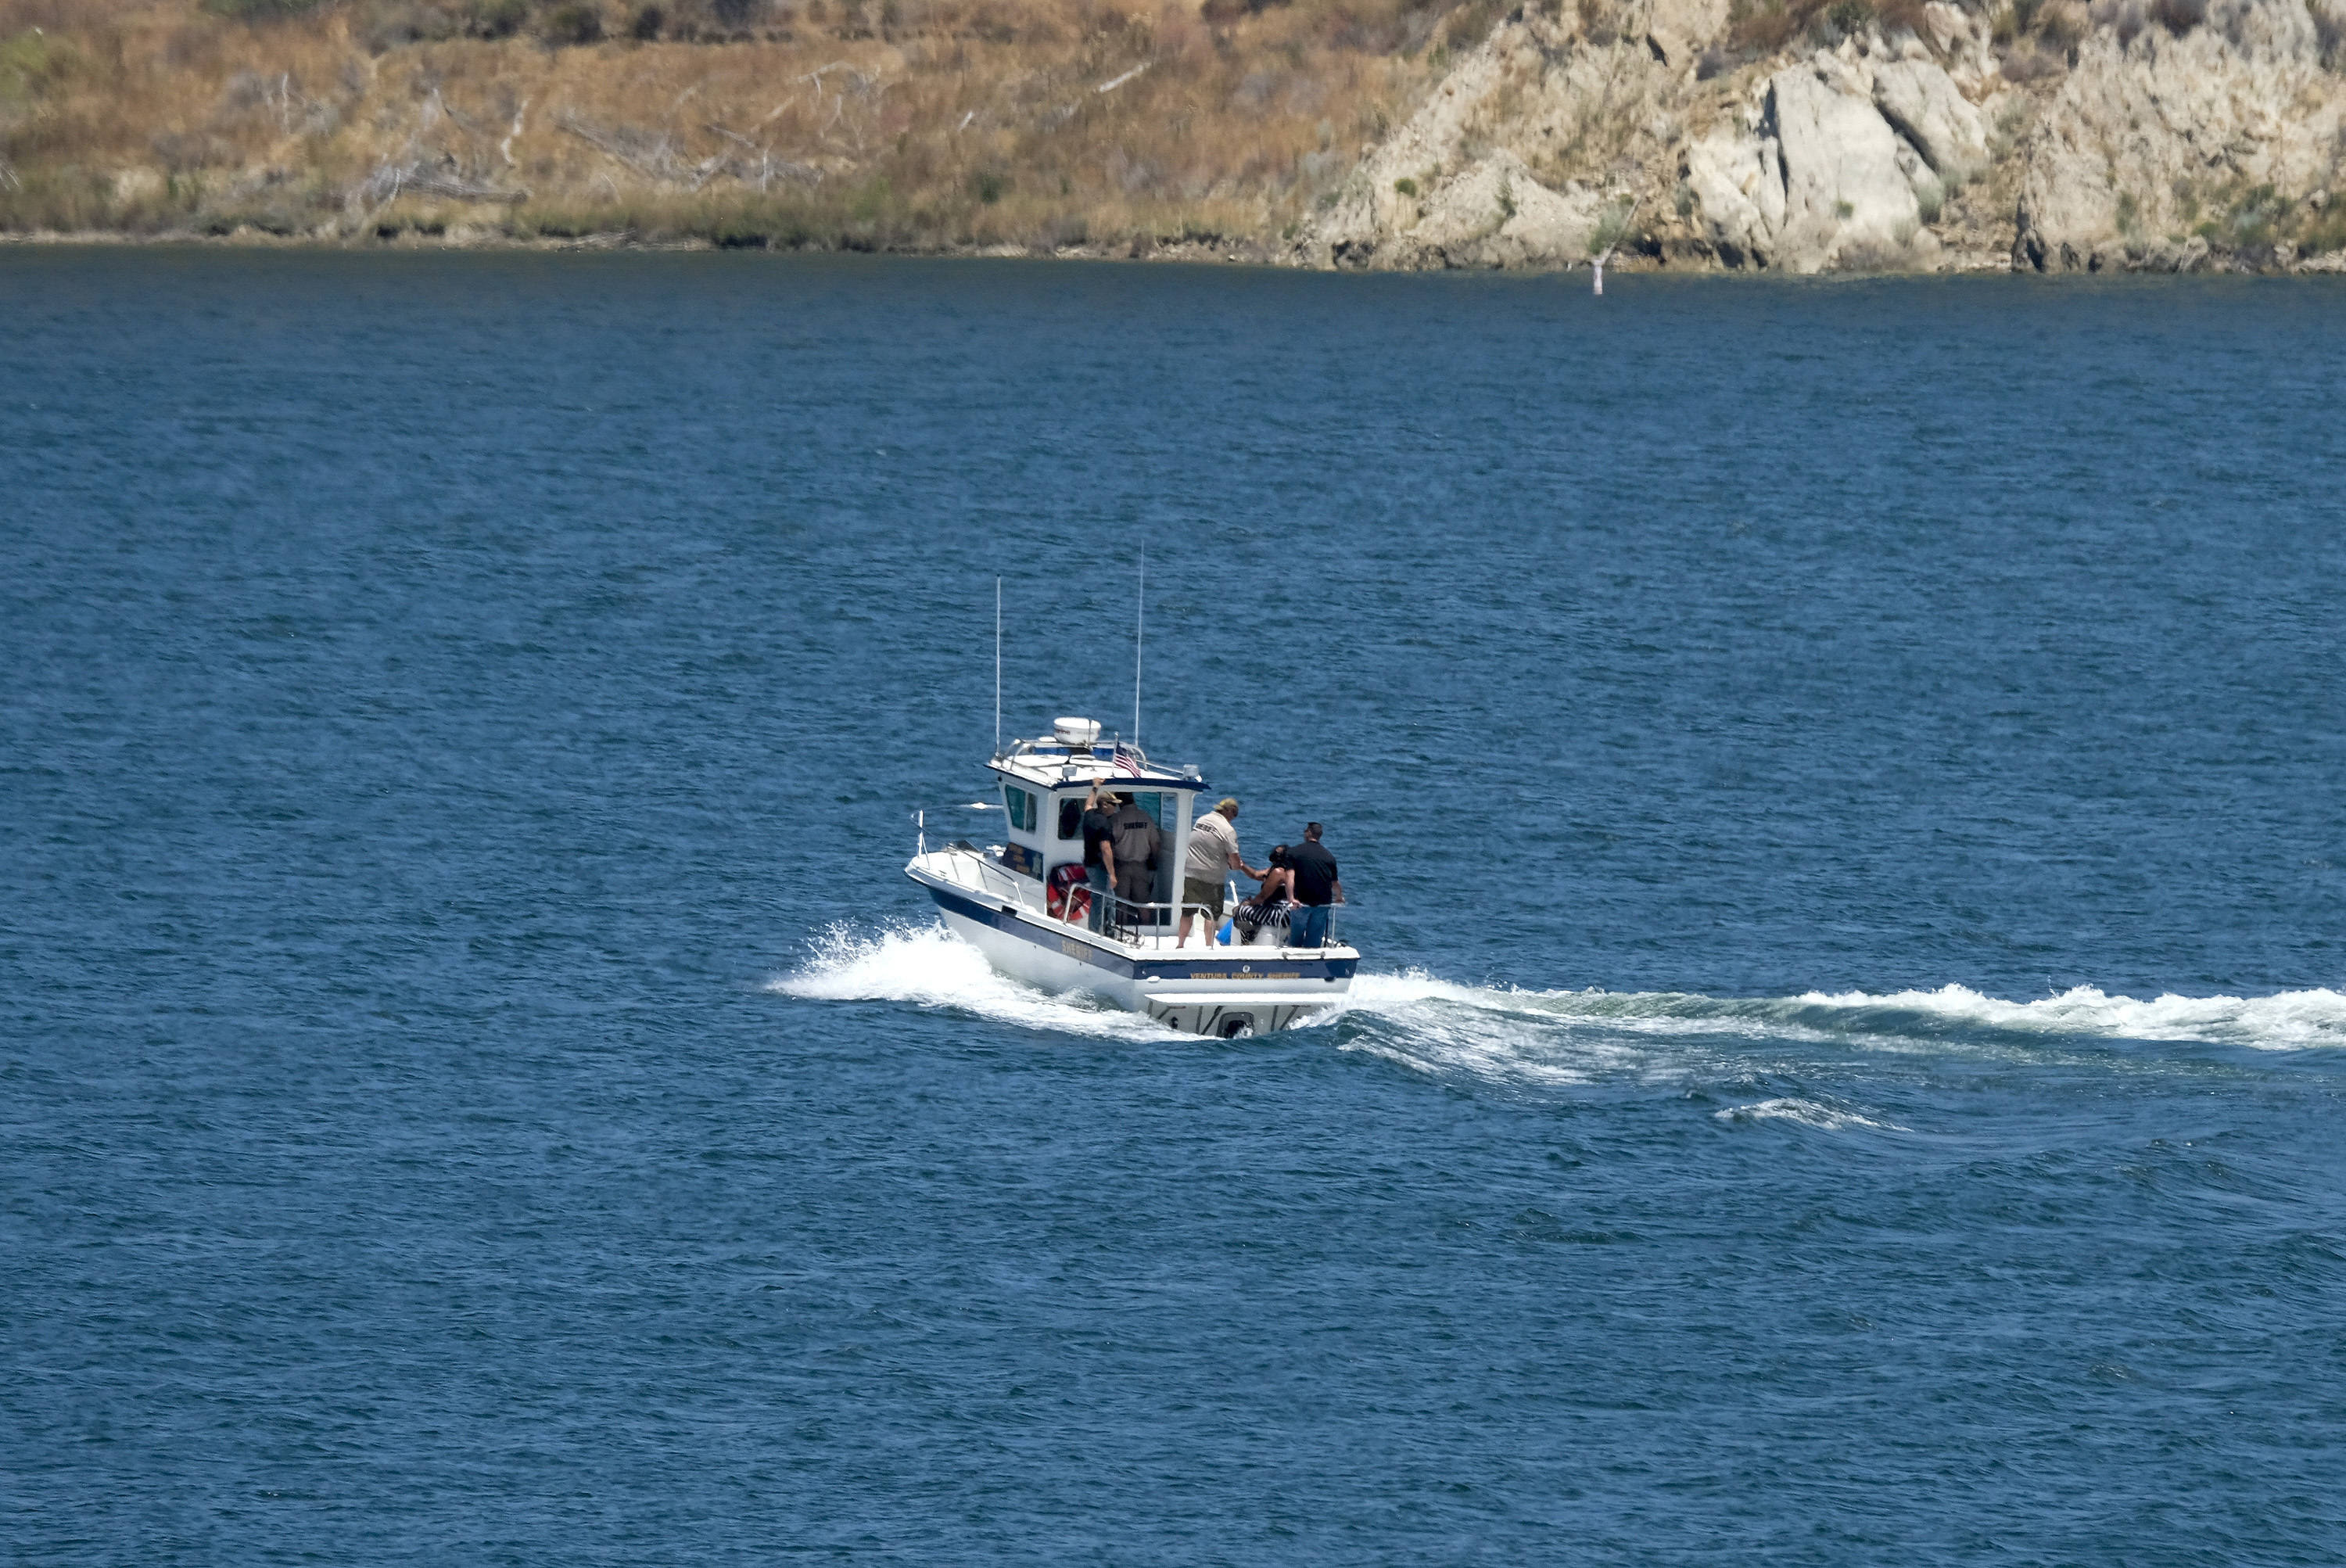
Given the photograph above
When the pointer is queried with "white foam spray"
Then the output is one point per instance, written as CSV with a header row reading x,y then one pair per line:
x,y
1806,1114
1577,1036
928,966
2285,1021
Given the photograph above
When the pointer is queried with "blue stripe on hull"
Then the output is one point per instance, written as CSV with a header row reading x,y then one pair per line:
x,y
1257,964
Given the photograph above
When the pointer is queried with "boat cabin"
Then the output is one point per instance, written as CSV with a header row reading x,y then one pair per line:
x,y
1045,783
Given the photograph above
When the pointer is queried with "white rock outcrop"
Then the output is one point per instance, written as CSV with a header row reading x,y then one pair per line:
x,y
1471,180
1494,213
1849,178
1821,179
2115,133
1922,104
1677,30
2152,136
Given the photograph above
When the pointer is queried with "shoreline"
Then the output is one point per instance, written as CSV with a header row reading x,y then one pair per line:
x,y
1179,253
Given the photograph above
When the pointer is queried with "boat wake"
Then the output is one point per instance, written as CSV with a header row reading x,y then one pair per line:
x,y
928,966
1806,1114
1729,1044
1578,1036
2285,1021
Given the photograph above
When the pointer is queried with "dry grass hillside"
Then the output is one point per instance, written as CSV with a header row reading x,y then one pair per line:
x,y
880,124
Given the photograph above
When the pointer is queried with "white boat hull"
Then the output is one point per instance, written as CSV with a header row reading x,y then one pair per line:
x,y
1198,990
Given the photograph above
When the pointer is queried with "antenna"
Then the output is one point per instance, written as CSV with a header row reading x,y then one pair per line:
x,y
1141,615
997,666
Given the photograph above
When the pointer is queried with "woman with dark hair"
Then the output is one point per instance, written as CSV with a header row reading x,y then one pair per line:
x,y
1265,912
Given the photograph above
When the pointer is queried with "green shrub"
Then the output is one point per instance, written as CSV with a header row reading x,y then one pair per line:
x,y
1612,227
31,62
1846,17
2256,215
260,10
579,22
1405,185
987,186
498,18
2326,231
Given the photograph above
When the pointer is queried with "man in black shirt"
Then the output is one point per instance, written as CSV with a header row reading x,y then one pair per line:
x,y
1099,850
1316,887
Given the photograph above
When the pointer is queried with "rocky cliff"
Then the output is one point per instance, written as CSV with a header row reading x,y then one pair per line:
x,y
1943,136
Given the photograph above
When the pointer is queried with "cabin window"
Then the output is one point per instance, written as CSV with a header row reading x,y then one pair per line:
x,y
1071,817
1024,814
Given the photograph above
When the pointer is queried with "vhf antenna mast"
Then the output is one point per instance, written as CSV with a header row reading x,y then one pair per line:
x,y
997,666
1140,617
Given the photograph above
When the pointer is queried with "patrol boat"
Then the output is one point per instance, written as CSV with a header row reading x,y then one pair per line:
x,y
1023,903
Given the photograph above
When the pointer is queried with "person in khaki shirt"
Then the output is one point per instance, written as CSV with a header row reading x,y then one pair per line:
x,y
1136,843
1213,850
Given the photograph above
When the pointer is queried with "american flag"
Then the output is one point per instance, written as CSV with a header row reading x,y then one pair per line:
x,y
1127,760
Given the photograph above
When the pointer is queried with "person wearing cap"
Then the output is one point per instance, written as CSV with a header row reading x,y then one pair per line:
x,y
1099,850
1316,887
1213,851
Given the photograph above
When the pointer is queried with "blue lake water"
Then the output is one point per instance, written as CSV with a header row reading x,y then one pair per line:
x,y
1839,786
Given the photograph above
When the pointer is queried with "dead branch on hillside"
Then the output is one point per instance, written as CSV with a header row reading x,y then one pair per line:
x,y
769,166
656,160
864,88
389,181
505,147
462,122
862,82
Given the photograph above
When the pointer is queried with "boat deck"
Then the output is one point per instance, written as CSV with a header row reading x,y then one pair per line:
x,y
967,866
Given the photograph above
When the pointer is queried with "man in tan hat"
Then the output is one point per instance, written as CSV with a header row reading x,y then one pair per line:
x,y
1213,852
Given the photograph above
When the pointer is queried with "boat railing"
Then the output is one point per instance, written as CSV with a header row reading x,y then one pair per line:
x,y
1128,930
1123,923
1328,939
975,868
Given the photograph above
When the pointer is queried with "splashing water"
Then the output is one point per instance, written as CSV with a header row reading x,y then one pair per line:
x,y
1568,1037
1806,1114
2285,1021
931,967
